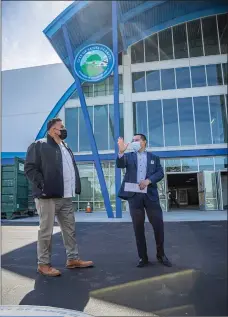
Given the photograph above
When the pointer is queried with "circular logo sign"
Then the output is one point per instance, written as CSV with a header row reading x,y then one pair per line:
x,y
94,63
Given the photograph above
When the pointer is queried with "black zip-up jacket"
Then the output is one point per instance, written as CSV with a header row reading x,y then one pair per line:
x,y
44,169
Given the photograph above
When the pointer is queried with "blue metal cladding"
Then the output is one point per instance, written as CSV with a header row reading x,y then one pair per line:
x,y
89,128
90,21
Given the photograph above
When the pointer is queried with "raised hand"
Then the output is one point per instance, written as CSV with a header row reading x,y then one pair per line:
x,y
122,146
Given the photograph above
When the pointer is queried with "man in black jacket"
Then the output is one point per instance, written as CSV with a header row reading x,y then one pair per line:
x,y
51,168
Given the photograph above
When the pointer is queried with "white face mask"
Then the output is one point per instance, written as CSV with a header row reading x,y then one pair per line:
x,y
136,146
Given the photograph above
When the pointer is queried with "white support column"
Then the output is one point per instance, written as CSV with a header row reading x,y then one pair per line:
x,y
127,89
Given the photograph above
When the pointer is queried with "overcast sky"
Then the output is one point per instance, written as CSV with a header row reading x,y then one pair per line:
x,y
23,41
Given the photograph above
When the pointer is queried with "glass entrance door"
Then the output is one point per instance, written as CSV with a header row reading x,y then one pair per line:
x,y
207,190
162,193
219,190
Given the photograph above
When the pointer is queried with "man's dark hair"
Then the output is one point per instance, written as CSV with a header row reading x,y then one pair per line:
x,y
52,122
143,137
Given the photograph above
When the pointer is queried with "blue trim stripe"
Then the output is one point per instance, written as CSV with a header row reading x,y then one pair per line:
x,y
112,156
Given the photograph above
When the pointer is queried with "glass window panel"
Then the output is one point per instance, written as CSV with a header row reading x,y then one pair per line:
x,y
180,41
138,82
203,132
151,48
195,38
165,44
218,119
189,165
206,163
168,79
86,176
173,166
198,76
88,89
210,36
140,117
183,77
221,163
214,75
223,32
101,89
137,53
153,80
225,73
71,122
111,125
111,84
170,122
84,143
155,123
101,126
187,131
120,59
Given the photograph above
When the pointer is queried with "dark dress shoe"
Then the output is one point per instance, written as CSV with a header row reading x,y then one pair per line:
x,y
164,260
143,262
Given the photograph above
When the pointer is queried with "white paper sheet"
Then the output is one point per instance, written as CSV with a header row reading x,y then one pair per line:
x,y
132,187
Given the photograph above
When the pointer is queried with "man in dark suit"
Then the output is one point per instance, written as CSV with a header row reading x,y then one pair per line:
x,y
143,168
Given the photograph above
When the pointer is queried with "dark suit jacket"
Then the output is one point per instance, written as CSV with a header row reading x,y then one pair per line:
x,y
154,173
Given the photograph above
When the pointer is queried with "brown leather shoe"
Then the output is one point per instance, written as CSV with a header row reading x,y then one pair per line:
x,y
47,270
73,264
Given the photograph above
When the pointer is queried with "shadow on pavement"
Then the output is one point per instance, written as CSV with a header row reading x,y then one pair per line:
x,y
196,285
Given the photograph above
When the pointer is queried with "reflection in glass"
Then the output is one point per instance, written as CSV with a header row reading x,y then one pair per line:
x,y
86,176
137,53
223,32
165,44
218,119
140,110
214,75
183,77
156,137
198,76
111,84
221,163
167,79
189,165
203,132
151,48
138,82
153,80
87,89
101,88
210,191
210,36
101,126
206,163
186,121
225,73
170,122
111,125
195,38
173,165
71,122
84,144
180,41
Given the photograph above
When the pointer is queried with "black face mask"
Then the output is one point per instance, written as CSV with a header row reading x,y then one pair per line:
x,y
63,134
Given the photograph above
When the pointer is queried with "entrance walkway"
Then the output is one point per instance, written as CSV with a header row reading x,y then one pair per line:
x,y
99,216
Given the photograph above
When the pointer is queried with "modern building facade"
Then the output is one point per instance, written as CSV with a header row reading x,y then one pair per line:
x,y
172,88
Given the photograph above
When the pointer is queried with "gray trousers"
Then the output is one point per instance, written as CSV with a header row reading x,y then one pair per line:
x,y
47,209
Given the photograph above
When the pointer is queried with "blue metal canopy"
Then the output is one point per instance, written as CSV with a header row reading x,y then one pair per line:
x,y
90,22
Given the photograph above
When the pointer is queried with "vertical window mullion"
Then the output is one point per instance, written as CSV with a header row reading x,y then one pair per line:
x,y
163,123
194,119
216,18
178,121
209,108
201,27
